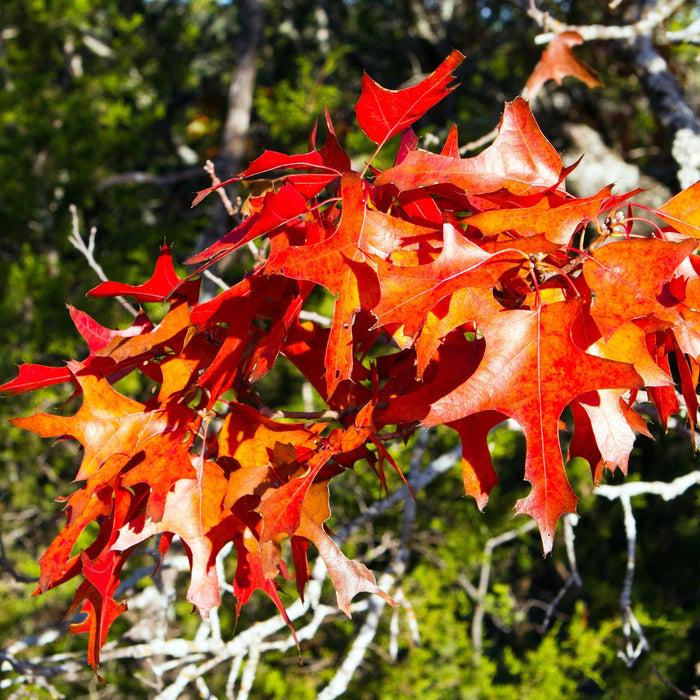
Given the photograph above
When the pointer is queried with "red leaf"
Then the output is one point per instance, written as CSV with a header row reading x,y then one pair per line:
x,y
99,337
408,293
531,370
193,511
555,217
33,377
383,113
478,474
340,265
349,577
602,433
279,209
281,510
158,288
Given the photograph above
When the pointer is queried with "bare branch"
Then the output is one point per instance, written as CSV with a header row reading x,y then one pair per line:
x,y
660,84
570,520
368,631
88,252
478,594
688,35
141,178
211,171
659,13
667,490
635,640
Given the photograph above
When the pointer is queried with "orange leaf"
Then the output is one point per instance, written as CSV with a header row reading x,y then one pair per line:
x,y
557,62
520,160
683,211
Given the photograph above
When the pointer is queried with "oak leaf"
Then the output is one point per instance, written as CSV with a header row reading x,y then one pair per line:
x,y
559,61
383,113
520,160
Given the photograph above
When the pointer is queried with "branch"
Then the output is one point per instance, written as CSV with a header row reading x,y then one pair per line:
x,y
669,103
136,177
661,86
635,640
341,680
689,35
667,490
659,13
88,252
479,594
570,520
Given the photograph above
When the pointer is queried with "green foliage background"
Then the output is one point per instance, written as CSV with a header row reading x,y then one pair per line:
x,y
92,89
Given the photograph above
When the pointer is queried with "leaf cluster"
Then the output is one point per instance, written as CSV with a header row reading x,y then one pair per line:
x,y
466,291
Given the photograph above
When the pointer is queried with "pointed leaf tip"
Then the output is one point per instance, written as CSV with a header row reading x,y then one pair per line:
x,y
383,113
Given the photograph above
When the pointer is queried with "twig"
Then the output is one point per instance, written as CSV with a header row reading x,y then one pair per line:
x,y
635,640
216,280
478,143
672,686
574,579
141,178
310,415
215,181
661,11
231,210
479,594
88,252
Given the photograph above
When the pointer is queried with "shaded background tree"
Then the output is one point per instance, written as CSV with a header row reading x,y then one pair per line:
x,y
115,106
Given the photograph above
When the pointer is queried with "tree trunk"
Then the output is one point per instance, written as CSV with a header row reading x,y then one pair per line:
x,y
234,150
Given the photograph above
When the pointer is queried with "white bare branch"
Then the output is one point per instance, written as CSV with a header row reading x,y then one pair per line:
x,y
653,17
88,252
635,642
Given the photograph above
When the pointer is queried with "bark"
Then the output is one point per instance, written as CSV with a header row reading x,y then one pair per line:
x,y
602,165
234,147
637,41
668,102
240,93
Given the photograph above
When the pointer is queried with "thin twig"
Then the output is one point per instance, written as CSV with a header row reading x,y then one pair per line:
x,y
672,686
215,181
574,579
484,578
88,252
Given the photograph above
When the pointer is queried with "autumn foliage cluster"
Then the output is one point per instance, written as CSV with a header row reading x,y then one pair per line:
x,y
467,290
